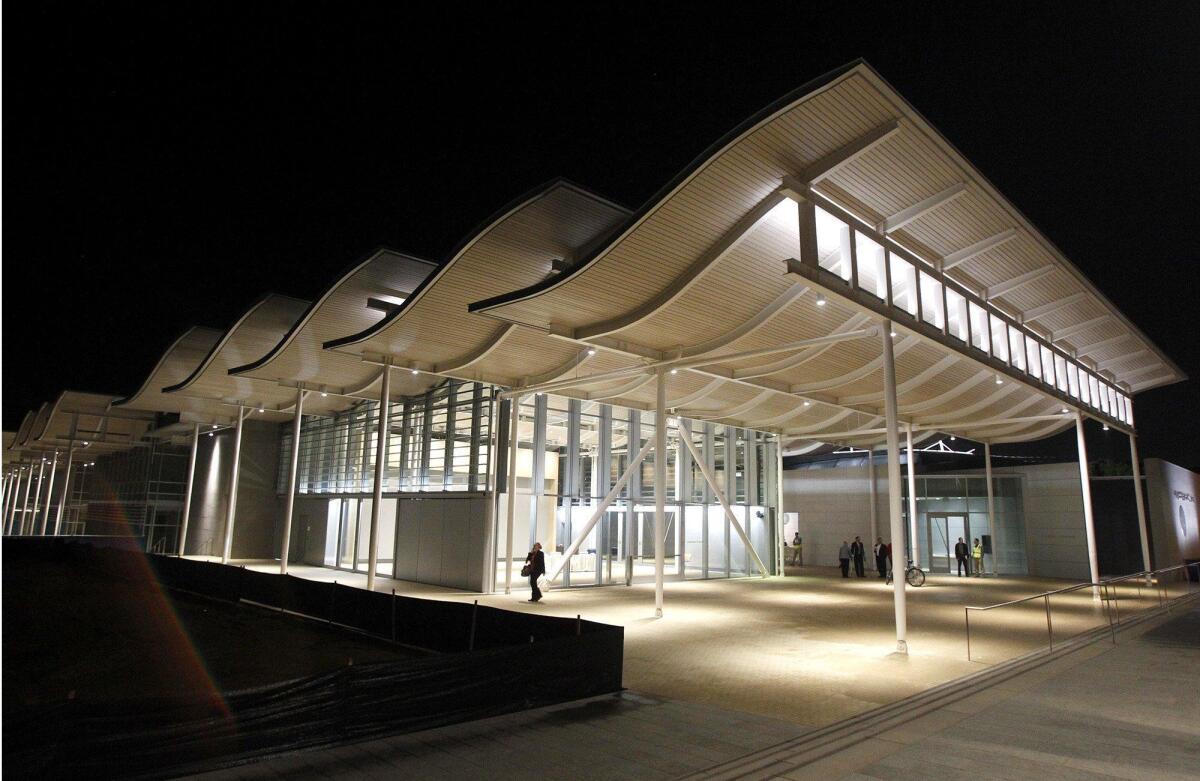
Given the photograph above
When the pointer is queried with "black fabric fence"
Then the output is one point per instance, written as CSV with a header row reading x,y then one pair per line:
x,y
490,662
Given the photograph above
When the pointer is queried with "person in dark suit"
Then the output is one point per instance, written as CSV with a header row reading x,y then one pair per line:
x,y
858,553
960,554
881,557
537,567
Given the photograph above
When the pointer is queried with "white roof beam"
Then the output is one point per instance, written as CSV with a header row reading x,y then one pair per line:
x,y
1090,348
840,158
1053,306
978,248
1002,288
1114,361
1071,330
919,210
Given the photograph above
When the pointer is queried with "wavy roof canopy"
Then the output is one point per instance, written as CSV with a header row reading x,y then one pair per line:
x,y
357,301
254,333
175,365
701,270
433,332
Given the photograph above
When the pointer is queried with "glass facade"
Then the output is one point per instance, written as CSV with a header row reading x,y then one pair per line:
x,y
952,506
438,441
572,452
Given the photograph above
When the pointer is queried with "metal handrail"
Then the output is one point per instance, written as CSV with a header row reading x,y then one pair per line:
x,y
1111,600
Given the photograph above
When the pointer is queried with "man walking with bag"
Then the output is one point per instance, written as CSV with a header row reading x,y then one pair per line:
x,y
535,567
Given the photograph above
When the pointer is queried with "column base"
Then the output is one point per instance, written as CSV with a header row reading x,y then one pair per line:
x,y
902,647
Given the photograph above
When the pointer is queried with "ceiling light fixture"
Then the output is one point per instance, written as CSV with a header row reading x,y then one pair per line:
x,y
820,299
324,394
416,371
591,351
998,380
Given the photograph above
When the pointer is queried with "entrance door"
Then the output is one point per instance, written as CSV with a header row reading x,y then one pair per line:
x,y
944,531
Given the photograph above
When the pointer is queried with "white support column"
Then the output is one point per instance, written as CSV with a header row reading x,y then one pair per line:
x,y
8,486
636,463
37,495
660,487
873,491
231,511
49,494
10,519
289,503
894,499
1141,501
513,423
991,500
1085,487
724,502
912,497
381,449
66,491
187,491
25,500
779,505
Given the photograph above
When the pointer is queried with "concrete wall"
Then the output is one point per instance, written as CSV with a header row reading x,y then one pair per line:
x,y
834,505
441,539
259,510
1056,541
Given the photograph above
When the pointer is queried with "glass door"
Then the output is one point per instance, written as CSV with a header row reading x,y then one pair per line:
x,y
945,529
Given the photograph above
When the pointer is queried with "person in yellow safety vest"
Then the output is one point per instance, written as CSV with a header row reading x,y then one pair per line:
x,y
977,555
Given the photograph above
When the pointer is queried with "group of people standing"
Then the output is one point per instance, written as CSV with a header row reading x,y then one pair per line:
x,y
856,553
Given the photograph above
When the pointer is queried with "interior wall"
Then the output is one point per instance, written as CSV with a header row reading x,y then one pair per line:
x,y
834,505
443,540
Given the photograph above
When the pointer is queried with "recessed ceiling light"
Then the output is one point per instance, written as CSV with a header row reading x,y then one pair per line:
x,y
820,299
416,371
260,409
591,351
674,371
807,403
999,381
324,394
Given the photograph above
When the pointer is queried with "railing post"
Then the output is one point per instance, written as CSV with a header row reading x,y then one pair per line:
x,y
471,642
1049,626
967,619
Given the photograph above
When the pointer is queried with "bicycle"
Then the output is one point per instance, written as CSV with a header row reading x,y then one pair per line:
x,y
914,576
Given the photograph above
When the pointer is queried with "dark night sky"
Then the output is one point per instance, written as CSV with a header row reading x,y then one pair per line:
x,y
168,163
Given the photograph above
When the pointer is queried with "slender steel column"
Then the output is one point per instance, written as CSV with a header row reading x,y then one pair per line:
x,y
25,502
9,482
381,449
187,491
37,496
1085,487
514,422
991,502
912,497
897,521
660,488
779,503
49,493
293,468
11,522
874,492
1141,502
231,511
66,490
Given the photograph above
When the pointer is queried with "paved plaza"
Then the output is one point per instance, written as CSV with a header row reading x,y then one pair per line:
x,y
1097,711
810,648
